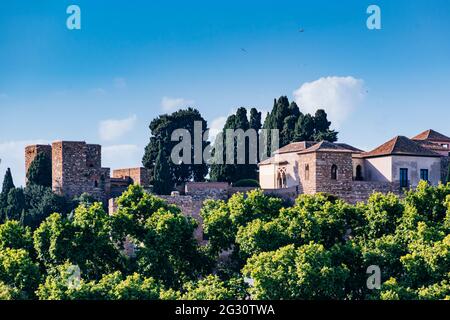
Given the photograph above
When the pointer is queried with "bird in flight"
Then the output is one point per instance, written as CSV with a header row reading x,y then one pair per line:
x,y
243,50
301,30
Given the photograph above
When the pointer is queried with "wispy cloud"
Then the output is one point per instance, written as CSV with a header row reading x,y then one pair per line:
x,y
170,104
113,129
339,96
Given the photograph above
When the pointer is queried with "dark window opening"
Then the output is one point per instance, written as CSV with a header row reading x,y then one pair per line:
x,y
307,172
404,178
424,174
359,176
334,172
96,184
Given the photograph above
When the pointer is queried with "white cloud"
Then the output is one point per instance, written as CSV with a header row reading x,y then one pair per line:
x,y
339,96
122,156
170,104
215,127
12,155
120,83
112,129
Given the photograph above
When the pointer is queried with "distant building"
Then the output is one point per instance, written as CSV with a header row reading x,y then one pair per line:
x,y
353,174
77,169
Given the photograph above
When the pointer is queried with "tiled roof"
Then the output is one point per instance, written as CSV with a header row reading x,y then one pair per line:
x,y
400,145
432,136
430,145
272,160
325,146
295,147
349,147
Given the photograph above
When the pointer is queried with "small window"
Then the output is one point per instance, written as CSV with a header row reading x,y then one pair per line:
x,y
96,184
359,176
334,172
307,172
404,183
424,174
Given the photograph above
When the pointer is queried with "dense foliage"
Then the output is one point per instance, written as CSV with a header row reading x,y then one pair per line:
x,y
259,247
161,132
295,126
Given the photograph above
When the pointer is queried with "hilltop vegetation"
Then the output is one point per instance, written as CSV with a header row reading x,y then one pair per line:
x,y
319,248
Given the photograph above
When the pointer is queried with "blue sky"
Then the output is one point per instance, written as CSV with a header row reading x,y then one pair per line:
x,y
133,60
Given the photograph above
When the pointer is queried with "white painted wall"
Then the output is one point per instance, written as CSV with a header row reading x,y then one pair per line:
x,y
414,164
267,176
378,169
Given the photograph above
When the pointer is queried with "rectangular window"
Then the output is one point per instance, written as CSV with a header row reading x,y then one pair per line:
x,y
424,174
404,178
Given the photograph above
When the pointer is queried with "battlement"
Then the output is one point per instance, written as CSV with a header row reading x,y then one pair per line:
x,y
77,169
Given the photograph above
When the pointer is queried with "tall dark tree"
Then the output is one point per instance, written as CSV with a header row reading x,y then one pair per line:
x,y
294,126
304,128
40,171
162,180
8,185
15,204
238,171
322,127
161,131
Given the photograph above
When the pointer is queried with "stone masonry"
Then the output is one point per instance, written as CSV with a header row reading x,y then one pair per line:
x,y
77,169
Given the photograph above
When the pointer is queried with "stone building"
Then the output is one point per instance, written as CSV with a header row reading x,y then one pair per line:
x,y
352,174
77,169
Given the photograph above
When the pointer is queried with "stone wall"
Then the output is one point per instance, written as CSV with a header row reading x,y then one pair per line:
x,y
362,190
307,173
77,169
445,162
341,186
138,176
215,190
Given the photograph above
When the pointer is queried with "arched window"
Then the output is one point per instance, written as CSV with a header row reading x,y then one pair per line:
x,y
281,178
334,172
359,176
307,172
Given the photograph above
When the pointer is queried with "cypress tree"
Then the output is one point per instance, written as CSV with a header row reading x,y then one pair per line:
x,y
8,183
40,171
162,179
15,204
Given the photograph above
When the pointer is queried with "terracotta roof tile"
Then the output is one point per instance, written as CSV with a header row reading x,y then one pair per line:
x,y
295,147
325,146
400,145
432,136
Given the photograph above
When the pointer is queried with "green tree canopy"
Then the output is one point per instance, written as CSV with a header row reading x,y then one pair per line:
x,y
161,131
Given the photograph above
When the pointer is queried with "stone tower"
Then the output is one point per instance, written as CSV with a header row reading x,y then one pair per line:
x,y
77,169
